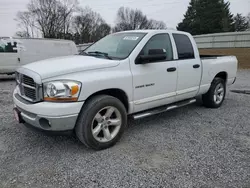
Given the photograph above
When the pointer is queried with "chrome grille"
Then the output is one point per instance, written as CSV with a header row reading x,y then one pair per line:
x,y
28,81
29,90
31,93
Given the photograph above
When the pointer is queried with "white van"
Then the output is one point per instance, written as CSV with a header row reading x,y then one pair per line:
x,y
15,52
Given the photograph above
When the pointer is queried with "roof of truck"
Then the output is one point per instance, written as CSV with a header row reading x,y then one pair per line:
x,y
154,31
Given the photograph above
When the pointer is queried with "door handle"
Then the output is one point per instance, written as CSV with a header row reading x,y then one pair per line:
x,y
196,66
171,69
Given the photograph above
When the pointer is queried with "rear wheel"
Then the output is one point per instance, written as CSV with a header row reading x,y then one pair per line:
x,y
101,122
216,94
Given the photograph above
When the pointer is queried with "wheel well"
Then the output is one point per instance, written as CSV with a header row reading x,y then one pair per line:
x,y
222,75
117,93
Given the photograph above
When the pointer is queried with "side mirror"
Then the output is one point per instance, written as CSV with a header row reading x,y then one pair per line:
x,y
154,55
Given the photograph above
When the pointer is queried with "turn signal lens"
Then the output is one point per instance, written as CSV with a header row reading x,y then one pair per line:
x,y
74,89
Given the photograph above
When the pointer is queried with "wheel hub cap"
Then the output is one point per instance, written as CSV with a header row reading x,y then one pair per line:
x,y
106,124
219,93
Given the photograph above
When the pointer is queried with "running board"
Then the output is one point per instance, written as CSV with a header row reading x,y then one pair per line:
x,y
163,109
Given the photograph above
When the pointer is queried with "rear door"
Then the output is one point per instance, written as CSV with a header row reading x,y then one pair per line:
x,y
153,84
189,67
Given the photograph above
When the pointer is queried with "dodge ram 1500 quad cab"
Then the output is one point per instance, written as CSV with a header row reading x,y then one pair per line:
x,y
137,73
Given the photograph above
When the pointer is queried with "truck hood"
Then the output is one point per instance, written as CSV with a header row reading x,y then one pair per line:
x,y
69,64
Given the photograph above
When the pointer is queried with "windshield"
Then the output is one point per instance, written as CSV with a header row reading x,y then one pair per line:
x,y
118,45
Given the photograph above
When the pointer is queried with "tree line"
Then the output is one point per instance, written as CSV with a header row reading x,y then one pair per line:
x,y
212,16
65,19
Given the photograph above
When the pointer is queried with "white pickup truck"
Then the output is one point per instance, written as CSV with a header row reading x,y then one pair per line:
x,y
137,73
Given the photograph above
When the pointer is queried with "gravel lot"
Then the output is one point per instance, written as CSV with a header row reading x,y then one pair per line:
x,y
188,147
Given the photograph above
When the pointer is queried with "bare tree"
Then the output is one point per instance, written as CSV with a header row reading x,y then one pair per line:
x,y
90,26
23,34
101,31
154,24
48,16
69,7
51,17
26,22
130,19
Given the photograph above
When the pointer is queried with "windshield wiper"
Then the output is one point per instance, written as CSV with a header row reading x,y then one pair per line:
x,y
100,53
83,53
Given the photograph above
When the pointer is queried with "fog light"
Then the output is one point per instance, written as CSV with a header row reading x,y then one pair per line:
x,y
44,123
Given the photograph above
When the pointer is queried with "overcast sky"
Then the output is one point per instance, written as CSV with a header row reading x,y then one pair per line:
x,y
169,11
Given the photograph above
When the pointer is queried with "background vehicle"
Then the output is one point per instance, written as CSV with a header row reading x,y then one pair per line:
x,y
16,52
137,73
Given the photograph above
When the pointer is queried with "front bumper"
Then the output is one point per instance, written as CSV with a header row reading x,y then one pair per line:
x,y
48,116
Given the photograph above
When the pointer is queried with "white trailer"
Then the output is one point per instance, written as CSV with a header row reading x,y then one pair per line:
x,y
16,52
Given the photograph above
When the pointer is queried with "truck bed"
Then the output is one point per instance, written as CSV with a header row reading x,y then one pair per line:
x,y
212,64
211,56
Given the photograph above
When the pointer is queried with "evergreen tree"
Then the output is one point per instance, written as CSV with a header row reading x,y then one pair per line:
x,y
227,17
248,21
189,22
207,16
240,23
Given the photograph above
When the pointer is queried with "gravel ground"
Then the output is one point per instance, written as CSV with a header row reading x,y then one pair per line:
x,y
188,147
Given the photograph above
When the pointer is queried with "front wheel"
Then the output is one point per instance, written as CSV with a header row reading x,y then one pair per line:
x,y
216,94
101,122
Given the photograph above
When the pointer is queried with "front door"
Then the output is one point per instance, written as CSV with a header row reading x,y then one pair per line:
x,y
155,82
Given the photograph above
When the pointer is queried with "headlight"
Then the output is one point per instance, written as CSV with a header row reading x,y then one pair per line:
x,y
62,90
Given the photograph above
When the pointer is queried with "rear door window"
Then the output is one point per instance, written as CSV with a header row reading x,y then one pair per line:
x,y
184,46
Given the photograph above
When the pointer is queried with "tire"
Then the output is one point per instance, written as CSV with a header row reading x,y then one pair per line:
x,y
92,126
209,99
